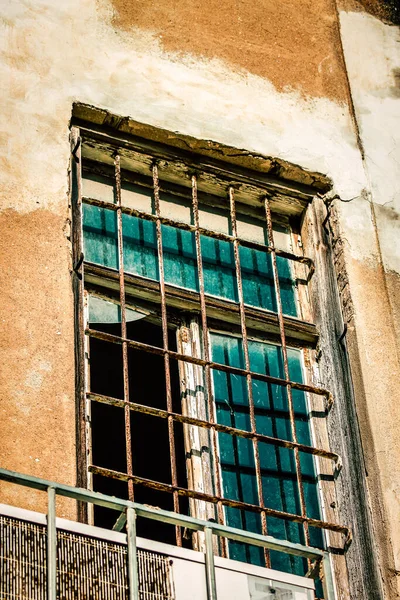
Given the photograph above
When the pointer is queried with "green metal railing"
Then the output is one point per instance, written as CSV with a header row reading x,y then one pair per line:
x,y
132,510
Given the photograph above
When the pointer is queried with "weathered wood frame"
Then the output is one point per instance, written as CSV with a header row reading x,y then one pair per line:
x,y
333,360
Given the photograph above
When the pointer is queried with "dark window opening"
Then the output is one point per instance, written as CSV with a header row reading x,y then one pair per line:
x,y
149,434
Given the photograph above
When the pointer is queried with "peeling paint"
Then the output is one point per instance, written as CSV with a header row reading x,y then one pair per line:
x,y
128,72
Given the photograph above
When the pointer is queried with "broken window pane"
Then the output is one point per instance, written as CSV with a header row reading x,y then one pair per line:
x,y
106,311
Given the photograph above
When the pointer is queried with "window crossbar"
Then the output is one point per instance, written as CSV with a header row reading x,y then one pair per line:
x,y
234,431
202,362
213,499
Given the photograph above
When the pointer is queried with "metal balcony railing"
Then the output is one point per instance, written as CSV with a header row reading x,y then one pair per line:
x,y
132,510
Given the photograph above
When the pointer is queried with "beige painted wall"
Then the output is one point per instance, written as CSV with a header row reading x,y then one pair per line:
x,y
282,93
371,231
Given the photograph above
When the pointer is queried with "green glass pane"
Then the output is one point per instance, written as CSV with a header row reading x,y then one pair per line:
x,y
287,286
180,262
258,281
278,468
250,522
227,350
303,433
140,247
100,238
266,359
219,268
257,278
282,529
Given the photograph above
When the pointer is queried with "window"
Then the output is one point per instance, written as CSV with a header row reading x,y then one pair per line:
x,y
197,336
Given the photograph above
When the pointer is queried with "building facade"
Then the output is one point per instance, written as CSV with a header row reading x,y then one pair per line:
x,y
200,220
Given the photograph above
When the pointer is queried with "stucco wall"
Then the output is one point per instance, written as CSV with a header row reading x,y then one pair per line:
x,y
371,233
265,76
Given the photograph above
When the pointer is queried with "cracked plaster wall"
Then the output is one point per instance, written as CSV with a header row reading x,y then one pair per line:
x,y
370,232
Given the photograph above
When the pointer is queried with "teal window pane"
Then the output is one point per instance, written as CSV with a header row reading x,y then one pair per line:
x,y
258,281
140,247
278,468
266,359
180,261
227,350
303,433
248,521
287,286
257,278
291,531
219,268
100,237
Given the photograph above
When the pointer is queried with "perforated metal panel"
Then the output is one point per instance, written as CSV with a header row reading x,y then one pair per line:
x,y
87,568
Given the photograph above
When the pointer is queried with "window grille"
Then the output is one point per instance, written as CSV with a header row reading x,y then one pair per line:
x,y
234,303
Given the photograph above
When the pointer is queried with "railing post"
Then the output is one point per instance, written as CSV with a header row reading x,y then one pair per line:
x,y
133,575
210,567
51,545
327,579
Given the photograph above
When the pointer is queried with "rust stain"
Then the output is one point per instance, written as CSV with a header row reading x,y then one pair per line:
x,y
292,44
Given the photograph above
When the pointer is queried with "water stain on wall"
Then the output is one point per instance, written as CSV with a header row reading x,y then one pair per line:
x,y
293,44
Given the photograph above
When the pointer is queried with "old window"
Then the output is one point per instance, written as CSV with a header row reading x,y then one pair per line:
x,y
196,393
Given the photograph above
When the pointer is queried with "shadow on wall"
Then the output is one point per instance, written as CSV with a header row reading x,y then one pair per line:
x,y
386,10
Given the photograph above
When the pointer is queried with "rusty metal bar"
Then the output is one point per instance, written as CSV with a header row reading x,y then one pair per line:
x,y
125,364
260,437
134,212
289,386
184,492
164,325
207,355
108,337
302,334
247,367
